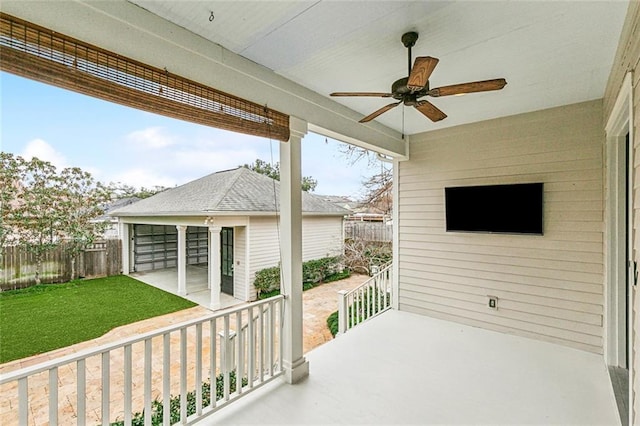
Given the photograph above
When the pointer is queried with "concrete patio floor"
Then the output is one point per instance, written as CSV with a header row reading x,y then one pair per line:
x,y
197,291
403,368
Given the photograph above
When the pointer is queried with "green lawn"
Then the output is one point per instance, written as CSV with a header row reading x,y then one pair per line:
x,y
46,317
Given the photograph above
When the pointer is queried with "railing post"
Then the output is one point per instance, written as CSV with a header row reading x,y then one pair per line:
x,y
227,349
342,311
375,269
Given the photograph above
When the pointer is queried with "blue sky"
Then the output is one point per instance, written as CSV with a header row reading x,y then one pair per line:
x,y
120,144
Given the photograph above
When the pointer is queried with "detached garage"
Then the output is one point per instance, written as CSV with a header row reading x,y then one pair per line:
x,y
226,222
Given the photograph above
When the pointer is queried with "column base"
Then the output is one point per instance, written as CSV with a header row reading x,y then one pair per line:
x,y
297,371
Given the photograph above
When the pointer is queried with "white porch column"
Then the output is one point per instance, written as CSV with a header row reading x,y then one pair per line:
x,y
125,237
182,259
295,365
214,266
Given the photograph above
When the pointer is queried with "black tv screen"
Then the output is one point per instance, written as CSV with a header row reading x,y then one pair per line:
x,y
509,209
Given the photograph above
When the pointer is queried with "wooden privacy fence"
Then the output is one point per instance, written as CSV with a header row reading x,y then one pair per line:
x,y
18,265
368,231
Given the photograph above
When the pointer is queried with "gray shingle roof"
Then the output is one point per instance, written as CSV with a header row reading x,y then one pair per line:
x,y
115,205
232,191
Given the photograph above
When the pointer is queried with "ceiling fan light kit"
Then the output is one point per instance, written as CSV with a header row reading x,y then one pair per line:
x,y
409,90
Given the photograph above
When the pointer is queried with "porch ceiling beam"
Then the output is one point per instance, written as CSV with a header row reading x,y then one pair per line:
x,y
129,30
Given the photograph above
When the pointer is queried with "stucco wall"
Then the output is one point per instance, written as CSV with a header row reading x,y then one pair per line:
x,y
549,287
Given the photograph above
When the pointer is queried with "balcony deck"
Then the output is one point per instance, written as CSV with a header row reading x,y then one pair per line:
x,y
402,368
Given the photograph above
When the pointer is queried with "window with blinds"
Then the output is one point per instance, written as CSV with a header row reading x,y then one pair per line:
x,y
35,52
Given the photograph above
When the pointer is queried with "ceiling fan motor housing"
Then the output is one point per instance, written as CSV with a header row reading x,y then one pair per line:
x,y
400,90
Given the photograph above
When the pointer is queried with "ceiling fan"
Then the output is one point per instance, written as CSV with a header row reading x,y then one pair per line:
x,y
409,90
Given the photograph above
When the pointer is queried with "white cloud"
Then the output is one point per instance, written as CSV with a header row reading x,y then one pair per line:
x,y
151,138
40,149
196,152
139,177
204,162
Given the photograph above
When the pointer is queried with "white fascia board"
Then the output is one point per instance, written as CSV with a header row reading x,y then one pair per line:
x,y
186,220
132,31
133,217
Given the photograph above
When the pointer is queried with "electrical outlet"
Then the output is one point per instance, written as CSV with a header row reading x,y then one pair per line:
x,y
492,302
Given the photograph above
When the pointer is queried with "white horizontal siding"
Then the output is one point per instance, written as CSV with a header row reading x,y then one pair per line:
x,y
632,54
321,237
549,287
628,59
264,247
241,286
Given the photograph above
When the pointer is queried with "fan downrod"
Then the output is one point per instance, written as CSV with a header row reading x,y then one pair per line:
x,y
399,87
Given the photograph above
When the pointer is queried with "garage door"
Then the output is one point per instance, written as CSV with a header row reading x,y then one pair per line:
x,y
154,247
197,245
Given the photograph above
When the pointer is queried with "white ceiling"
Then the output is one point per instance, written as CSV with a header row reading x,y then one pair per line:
x,y
550,52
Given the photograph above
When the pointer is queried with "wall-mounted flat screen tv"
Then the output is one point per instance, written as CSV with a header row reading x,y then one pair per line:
x,y
508,209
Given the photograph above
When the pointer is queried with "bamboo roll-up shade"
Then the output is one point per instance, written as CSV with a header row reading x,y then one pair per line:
x,y
44,55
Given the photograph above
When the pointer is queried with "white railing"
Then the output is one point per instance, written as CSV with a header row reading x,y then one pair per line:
x,y
365,301
135,379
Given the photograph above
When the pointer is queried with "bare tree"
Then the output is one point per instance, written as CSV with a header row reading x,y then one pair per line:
x,y
377,188
360,255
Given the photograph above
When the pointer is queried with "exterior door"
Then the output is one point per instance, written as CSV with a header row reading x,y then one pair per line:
x,y
226,261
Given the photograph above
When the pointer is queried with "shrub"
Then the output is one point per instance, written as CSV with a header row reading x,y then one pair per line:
x,y
338,276
157,407
363,307
269,294
332,323
267,280
314,272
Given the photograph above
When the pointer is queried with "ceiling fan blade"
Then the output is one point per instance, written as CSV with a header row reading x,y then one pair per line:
x,y
430,111
421,71
476,86
379,112
372,94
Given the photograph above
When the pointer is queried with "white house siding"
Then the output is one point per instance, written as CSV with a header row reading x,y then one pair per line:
x,y
264,249
240,284
628,59
321,237
549,287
